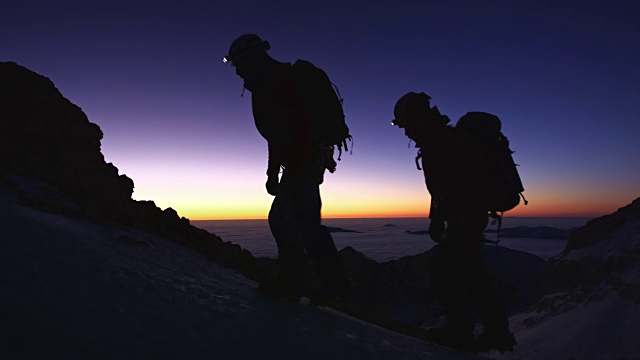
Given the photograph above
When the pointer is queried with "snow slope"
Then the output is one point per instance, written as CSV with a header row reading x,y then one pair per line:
x,y
592,308
73,289
602,329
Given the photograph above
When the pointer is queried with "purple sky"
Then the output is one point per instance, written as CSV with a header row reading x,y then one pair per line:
x,y
563,79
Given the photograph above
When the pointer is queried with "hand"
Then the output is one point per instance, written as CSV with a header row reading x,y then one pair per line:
x,y
436,230
272,185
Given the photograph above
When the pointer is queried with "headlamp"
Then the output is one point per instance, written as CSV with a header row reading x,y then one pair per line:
x,y
243,47
397,122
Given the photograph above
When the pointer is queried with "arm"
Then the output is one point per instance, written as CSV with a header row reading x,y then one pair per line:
x,y
435,168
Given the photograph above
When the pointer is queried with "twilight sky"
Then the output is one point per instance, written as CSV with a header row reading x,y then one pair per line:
x,y
564,79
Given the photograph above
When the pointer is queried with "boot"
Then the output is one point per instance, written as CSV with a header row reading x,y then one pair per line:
x,y
278,289
290,281
336,286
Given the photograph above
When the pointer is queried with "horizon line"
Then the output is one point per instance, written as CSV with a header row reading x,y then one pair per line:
x,y
394,217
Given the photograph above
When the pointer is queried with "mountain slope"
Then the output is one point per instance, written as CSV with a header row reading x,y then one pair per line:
x,y
76,289
591,305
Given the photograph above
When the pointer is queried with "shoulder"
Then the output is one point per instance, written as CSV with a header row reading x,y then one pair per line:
x,y
305,69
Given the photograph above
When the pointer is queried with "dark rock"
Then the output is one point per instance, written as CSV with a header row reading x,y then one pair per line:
x,y
49,144
399,291
46,137
598,259
600,229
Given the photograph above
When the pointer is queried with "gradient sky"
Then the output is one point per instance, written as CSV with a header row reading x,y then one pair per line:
x,y
564,79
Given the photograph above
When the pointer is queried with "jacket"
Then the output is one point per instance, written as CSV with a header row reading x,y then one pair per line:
x,y
452,175
278,116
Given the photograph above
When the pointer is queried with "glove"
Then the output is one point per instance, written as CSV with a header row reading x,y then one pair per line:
x,y
272,185
436,230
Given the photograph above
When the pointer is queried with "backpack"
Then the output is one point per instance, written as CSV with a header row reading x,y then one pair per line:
x,y
481,137
322,106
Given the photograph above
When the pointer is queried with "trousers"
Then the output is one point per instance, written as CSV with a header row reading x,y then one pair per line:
x,y
461,283
295,223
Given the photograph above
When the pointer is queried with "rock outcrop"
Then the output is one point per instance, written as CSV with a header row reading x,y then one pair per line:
x,y
591,295
46,138
600,257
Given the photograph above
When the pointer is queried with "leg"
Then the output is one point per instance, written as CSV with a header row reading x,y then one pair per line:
x,y
492,310
450,278
290,279
326,260
489,305
448,284
316,239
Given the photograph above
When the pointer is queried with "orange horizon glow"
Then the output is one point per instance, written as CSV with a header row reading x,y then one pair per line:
x,y
385,208
348,200
540,208
424,214
260,210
